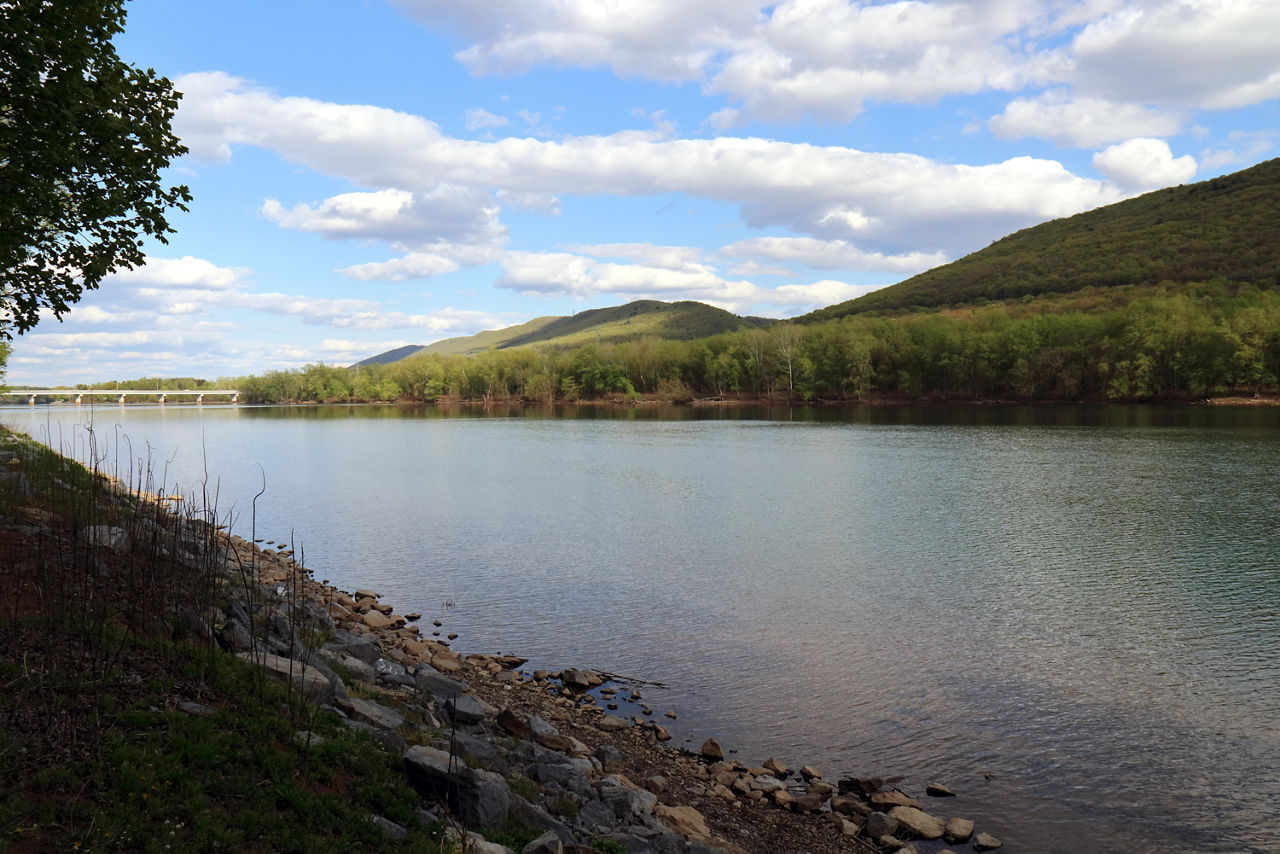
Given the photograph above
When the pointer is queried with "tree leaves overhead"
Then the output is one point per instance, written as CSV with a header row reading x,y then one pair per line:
x,y
83,139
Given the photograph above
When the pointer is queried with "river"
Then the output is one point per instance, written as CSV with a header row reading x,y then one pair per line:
x,y
1069,616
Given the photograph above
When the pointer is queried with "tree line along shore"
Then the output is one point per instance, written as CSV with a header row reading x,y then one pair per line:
x,y
1097,345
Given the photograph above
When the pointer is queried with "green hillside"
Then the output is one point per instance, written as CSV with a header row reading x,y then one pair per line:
x,y
1226,229
390,356
488,339
678,321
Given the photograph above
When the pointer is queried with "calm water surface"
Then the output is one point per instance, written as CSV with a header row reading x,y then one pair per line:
x,y
1069,616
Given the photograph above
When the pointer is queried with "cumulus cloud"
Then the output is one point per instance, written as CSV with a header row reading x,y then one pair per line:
x,y
184,272
889,203
1212,54
830,255
826,59
415,265
445,213
479,118
1081,122
1144,164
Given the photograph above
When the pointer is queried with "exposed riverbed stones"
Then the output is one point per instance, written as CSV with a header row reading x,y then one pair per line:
x,y
488,743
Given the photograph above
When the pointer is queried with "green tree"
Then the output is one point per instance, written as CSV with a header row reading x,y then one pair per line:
x,y
83,139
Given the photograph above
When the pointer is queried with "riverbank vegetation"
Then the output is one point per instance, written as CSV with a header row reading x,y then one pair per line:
x,y
1161,341
123,726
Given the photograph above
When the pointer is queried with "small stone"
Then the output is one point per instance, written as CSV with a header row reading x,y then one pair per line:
x,y
986,842
656,783
660,732
957,829
808,772
917,821
612,723
670,714
878,824
937,790
514,724
807,803
782,798
775,768
712,750
892,799
376,620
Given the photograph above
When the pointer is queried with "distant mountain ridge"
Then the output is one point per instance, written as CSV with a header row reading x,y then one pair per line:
x,y
1226,227
390,356
675,321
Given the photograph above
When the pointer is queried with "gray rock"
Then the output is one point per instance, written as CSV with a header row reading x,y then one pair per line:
x,y
390,829
352,666
520,811
597,816
627,802
610,758
466,709
480,797
547,843
433,682
767,784
478,752
391,742
371,713
197,709
107,537
235,637
878,824
313,684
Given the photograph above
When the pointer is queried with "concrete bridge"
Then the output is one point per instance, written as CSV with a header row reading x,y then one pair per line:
x,y
121,394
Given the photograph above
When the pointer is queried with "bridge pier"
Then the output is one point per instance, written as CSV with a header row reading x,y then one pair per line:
x,y
79,397
31,401
162,400
122,397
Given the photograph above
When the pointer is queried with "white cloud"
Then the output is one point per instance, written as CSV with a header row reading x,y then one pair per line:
x,y
479,118
1246,147
830,255
184,272
1212,54
659,39
817,295
445,213
827,58
415,265
1144,164
666,257
892,203
1081,122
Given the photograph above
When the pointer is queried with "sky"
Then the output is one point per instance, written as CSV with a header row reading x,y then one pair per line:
x,y
373,173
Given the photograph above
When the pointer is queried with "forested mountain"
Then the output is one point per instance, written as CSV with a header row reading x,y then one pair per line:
x,y
1172,295
1224,231
675,321
390,356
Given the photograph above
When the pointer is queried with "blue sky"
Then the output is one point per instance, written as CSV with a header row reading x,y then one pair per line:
x,y
373,173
